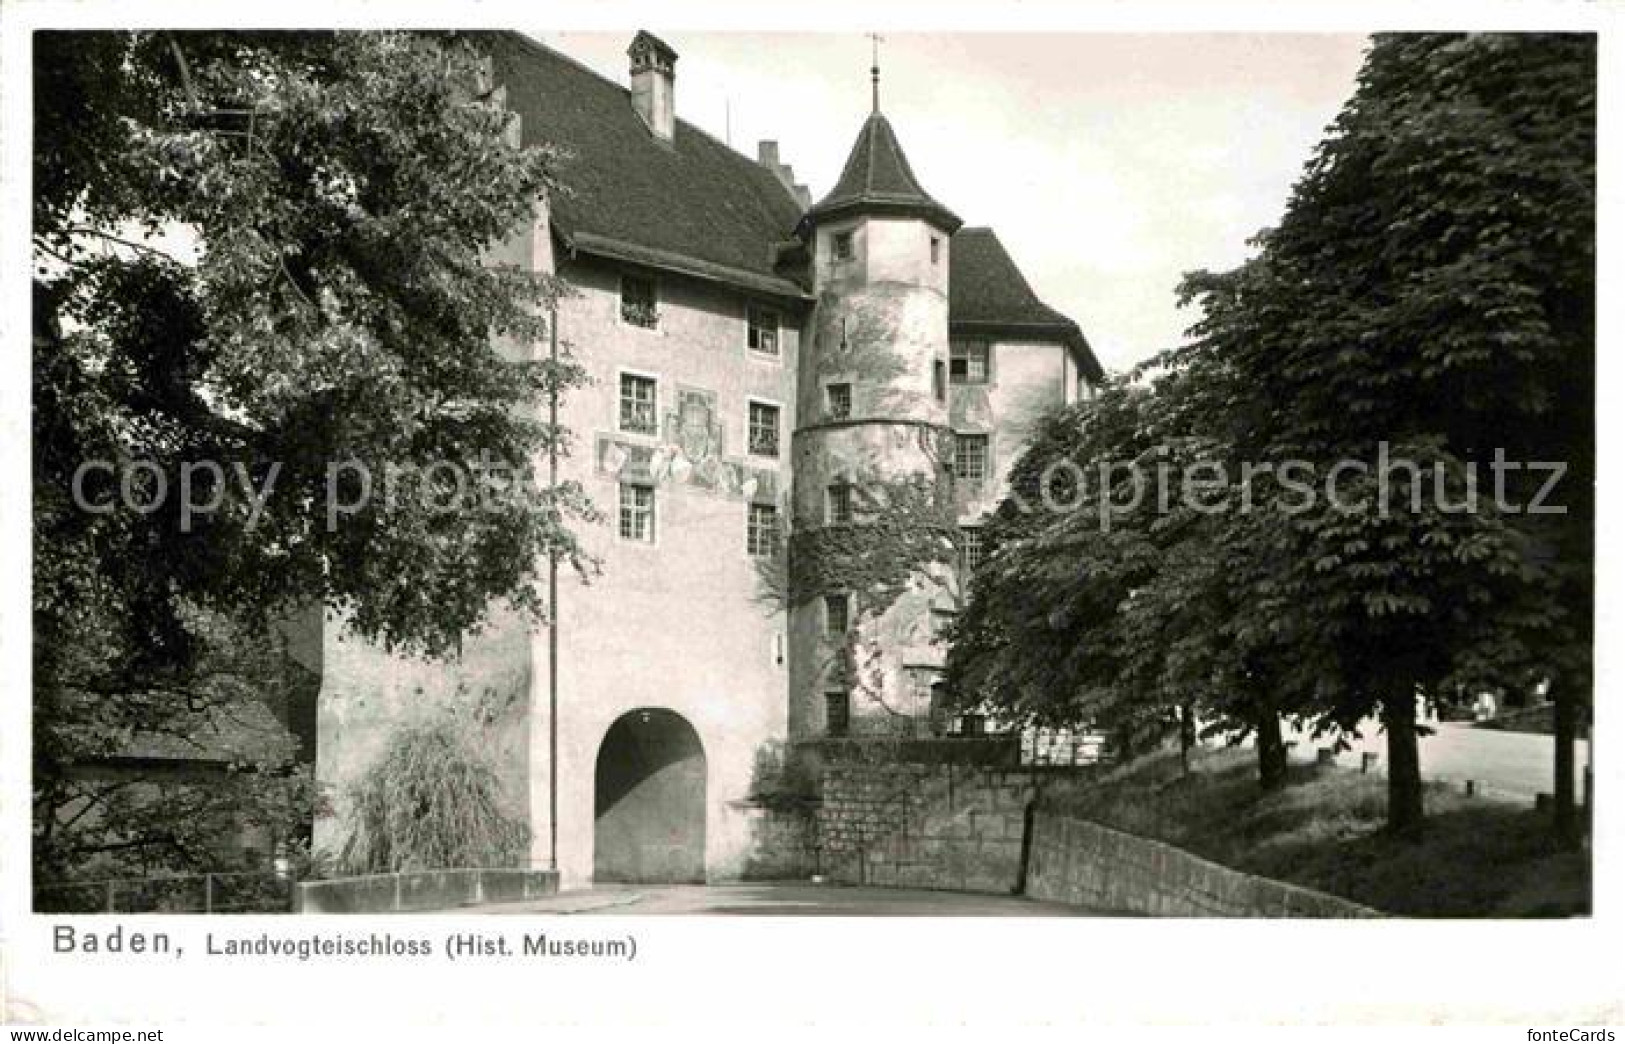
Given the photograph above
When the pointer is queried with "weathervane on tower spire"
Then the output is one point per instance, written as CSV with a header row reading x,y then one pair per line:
x,y
875,40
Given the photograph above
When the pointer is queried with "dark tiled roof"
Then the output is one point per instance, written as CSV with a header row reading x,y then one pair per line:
x,y
241,731
877,177
634,196
229,731
987,293
695,205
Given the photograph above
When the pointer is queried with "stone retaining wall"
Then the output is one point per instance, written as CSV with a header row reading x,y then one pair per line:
x,y
783,841
1080,862
946,826
982,828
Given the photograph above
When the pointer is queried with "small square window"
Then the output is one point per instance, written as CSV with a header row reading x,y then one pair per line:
x,y
840,504
971,550
764,430
762,530
968,362
638,404
921,683
639,306
840,245
941,699
970,457
840,401
638,513
837,618
762,330
837,713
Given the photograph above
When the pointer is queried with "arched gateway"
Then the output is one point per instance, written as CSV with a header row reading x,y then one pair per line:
x,y
649,800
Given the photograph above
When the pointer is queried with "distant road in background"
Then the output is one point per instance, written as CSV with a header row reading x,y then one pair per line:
x,y
1515,764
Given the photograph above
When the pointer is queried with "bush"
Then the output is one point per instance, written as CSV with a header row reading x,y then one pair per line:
x,y
430,803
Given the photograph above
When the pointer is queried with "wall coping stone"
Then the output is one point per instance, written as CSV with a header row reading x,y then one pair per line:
x,y
423,890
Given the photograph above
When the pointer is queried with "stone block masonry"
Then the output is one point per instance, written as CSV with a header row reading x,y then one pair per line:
x,y
783,841
953,827
972,827
1084,863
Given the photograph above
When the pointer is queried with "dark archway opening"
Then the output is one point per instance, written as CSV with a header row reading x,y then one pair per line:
x,y
649,801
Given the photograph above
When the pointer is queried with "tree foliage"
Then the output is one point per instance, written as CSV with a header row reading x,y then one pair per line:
x,y
229,789
273,253
1427,299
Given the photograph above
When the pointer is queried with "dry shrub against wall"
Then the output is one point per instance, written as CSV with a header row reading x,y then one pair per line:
x,y
430,803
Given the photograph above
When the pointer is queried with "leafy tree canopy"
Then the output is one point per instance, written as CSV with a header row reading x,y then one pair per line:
x,y
1427,295
339,194
264,262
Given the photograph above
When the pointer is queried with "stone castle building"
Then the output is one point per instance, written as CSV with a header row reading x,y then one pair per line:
x,y
798,416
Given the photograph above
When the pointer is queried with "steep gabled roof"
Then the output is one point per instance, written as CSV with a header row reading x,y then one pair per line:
x,y
692,204
219,735
696,206
878,179
988,294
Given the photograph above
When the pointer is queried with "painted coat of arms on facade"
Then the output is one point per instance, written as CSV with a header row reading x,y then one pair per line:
x,y
689,454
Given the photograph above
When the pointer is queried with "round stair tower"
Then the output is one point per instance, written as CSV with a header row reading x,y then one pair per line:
x,y
871,550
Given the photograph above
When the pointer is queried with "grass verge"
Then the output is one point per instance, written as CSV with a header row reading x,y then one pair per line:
x,y
1478,858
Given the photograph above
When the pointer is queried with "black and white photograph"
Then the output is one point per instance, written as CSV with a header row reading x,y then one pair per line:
x,y
516,505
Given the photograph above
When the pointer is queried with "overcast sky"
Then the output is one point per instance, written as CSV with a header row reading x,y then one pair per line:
x,y
1108,164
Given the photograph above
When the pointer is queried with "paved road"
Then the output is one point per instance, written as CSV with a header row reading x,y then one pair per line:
x,y
781,899
1508,764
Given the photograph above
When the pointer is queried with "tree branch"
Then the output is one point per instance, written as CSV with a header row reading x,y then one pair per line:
x,y
85,230
185,69
91,801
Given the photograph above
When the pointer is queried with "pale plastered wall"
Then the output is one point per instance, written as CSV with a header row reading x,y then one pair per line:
x,y
685,623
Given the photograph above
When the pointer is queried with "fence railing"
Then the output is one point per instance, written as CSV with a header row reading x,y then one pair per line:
x,y
247,891
1064,747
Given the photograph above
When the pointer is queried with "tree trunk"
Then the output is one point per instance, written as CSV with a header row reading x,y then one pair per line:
x,y
1187,737
1404,768
1565,823
1271,749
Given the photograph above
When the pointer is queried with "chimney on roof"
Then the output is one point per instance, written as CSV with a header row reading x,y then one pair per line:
x,y
767,155
654,72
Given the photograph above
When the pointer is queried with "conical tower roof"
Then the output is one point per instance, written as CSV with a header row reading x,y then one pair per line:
x,y
878,180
